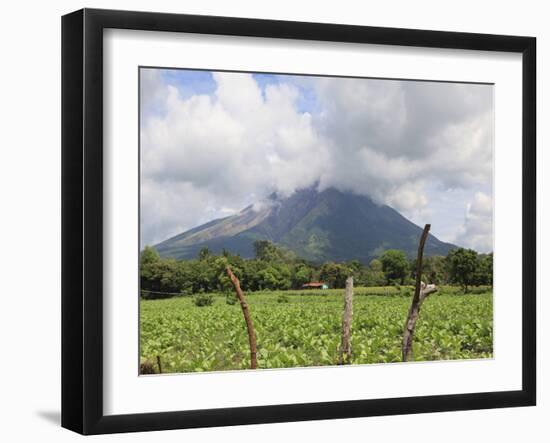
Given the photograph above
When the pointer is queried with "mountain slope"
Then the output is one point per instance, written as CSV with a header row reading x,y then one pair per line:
x,y
318,226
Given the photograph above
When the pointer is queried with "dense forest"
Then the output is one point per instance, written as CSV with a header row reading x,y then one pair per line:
x,y
276,268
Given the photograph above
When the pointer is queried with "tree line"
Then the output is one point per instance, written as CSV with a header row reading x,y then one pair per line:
x,y
276,268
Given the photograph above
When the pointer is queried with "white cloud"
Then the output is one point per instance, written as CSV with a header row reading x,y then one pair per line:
x,y
400,135
386,139
228,150
477,231
153,92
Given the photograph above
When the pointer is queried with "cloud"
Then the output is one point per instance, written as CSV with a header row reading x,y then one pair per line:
x,y
168,210
153,92
404,134
477,231
251,135
229,149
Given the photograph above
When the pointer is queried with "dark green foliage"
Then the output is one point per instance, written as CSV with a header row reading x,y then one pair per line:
x,y
468,268
265,250
484,274
230,299
164,275
280,269
395,266
203,300
434,269
373,274
274,276
149,256
334,275
375,265
277,269
152,295
204,253
462,264
302,274
283,298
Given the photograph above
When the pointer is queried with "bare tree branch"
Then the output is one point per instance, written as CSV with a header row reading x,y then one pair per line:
x,y
345,348
247,318
421,291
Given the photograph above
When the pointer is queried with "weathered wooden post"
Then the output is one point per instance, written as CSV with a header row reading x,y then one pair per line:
x,y
247,318
347,316
421,291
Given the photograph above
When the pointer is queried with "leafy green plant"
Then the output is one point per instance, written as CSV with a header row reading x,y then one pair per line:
x,y
306,331
230,299
203,300
283,298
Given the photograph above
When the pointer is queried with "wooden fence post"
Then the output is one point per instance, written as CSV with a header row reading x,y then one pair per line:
x,y
347,316
421,291
247,318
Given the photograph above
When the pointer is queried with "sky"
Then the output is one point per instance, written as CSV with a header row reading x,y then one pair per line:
x,y
213,143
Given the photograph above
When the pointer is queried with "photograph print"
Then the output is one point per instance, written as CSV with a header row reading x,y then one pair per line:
x,y
291,220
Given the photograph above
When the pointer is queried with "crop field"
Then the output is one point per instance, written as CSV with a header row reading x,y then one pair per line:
x,y
303,328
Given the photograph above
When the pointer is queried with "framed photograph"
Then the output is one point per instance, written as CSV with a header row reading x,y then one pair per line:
x,y
268,221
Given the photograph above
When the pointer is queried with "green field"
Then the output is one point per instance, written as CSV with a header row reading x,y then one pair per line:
x,y
304,329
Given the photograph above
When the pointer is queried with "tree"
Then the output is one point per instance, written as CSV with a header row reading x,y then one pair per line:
x,y
463,266
204,253
149,255
265,250
334,274
484,274
251,280
395,265
355,267
434,269
302,274
375,265
156,274
274,277
374,276
161,278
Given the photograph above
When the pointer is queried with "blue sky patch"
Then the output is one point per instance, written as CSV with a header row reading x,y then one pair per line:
x,y
190,82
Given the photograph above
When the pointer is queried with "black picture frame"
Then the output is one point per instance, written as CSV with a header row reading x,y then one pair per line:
x,y
82,219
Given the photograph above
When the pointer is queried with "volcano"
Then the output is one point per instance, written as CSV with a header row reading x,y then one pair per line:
x,y
330,225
